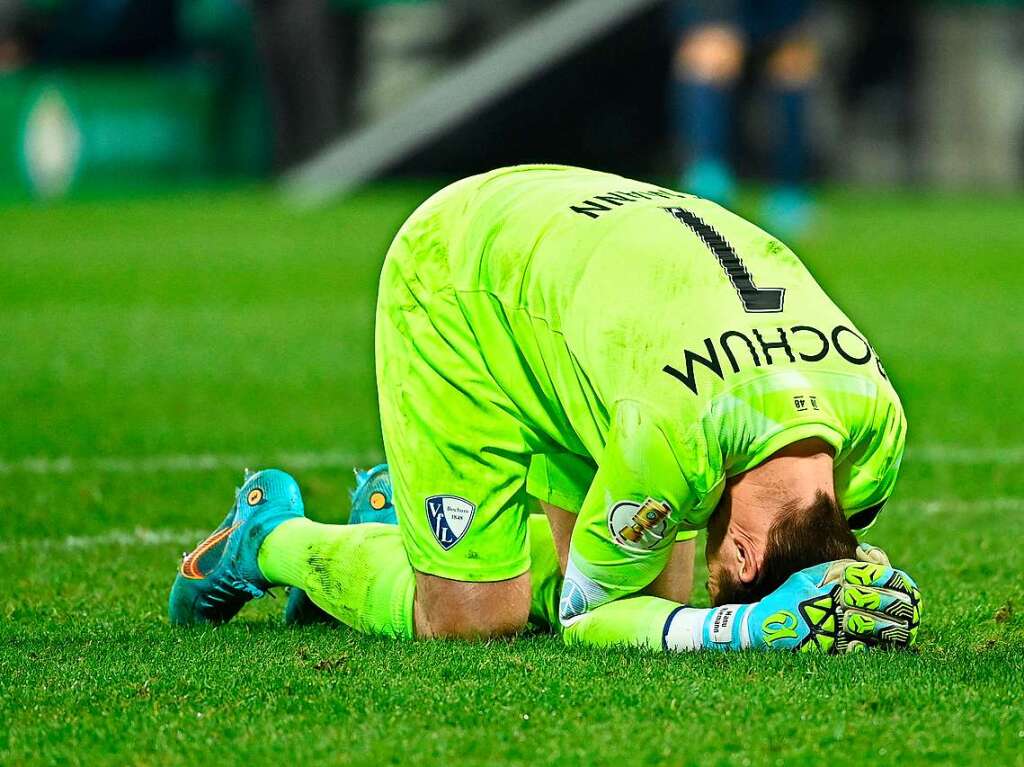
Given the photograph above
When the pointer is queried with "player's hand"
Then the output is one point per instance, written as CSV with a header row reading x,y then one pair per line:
x,y
880,605
838,607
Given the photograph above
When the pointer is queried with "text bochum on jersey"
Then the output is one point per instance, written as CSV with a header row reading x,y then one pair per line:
x,y
736,350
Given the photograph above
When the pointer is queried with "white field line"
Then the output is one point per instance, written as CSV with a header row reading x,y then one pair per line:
x,y
954,455
134,538
1006,503
143,536
165,464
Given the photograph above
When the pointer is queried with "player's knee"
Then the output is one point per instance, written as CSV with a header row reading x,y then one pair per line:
x,y
795,64
712,54
457,609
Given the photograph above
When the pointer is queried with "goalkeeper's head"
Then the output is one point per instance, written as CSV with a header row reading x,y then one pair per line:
x,y
776,519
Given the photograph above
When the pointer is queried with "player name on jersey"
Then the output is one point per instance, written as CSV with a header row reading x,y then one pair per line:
x,y
602,203
741,350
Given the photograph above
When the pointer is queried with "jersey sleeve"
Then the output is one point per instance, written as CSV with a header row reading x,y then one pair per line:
x,y
866,479
629,518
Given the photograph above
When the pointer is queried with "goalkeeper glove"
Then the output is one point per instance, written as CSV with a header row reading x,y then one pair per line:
x,y
834,607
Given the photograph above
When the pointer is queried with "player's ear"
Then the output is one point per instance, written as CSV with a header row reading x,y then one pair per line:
x,y
746,567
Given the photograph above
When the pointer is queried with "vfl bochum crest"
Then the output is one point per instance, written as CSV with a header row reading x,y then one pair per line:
x,y
449,517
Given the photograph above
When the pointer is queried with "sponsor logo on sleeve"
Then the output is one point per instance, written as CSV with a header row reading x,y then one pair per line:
x,y
450,517
638,526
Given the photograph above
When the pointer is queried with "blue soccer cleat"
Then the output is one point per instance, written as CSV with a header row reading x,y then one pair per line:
x,y
371,502
711,179
222,574
788,211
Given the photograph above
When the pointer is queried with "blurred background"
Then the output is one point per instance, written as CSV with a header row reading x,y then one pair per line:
x,y
121,96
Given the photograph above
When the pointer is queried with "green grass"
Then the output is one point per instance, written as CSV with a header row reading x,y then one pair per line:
x,y
224,325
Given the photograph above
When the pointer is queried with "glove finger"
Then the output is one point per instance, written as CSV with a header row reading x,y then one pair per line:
x,y
885,603
829,572
844,645
876,630
889,582
880,576
882,602
868,553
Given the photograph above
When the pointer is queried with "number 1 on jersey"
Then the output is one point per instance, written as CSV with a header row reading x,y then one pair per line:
x,y
754,299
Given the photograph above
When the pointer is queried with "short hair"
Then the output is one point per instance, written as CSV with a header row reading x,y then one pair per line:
x,y
802,536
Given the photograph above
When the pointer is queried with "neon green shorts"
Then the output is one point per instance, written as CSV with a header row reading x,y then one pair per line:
x,y
464,462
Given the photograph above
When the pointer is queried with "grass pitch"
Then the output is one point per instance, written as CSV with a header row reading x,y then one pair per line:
x,y
152,349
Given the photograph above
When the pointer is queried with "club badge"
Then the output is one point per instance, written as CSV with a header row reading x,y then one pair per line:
x,y
449,517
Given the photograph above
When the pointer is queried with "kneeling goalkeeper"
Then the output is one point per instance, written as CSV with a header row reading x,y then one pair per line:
x,y
645,364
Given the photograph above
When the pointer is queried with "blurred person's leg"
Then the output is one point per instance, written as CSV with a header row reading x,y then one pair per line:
x,y
15,43
708,62
300,57
791,69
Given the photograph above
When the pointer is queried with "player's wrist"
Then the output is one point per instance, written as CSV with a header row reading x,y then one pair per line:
x,y
728,627
717,628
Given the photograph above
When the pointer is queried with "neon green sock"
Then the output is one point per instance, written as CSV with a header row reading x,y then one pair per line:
x,y
637,621
357,573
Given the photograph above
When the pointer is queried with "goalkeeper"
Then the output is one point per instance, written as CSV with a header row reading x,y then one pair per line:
x,y
645,364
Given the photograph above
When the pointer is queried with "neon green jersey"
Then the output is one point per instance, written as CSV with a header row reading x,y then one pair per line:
x,y
668,340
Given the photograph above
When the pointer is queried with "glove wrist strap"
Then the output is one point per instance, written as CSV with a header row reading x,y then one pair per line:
x,y
717,628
